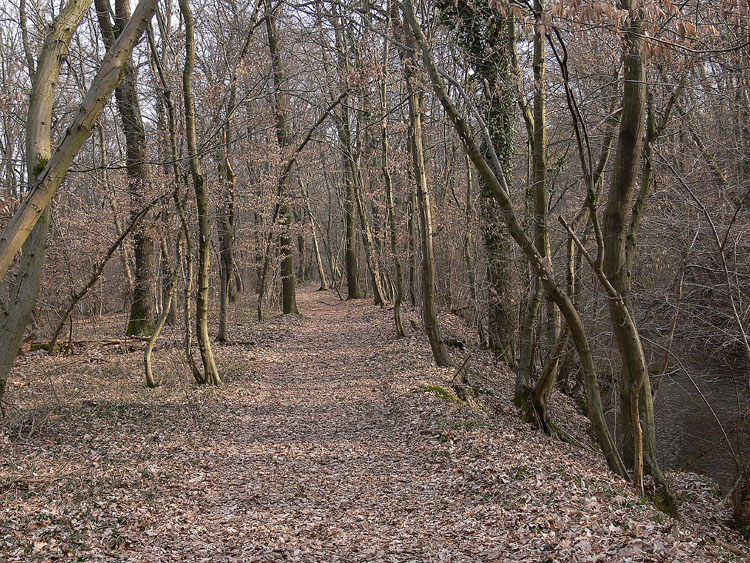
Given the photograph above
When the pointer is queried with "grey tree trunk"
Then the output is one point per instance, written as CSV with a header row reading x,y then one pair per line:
x,y
398,296
424,206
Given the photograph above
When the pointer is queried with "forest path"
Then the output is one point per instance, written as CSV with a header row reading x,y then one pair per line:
x,y
325,462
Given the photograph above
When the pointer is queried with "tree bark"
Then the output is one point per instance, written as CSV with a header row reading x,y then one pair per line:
x,y
398,296
636,403
424,206
210,372
288,283
25,289
142,312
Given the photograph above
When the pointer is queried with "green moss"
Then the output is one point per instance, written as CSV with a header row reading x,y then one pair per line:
x,y
40,166
520,399
439,392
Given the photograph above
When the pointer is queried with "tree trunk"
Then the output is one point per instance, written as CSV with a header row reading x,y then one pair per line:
x,y
288,284
29,225
51,175
226,225
171,286
424,206
182,214
398,296
636,403
545,384
141,320
410,227
367,241
210,372
314,237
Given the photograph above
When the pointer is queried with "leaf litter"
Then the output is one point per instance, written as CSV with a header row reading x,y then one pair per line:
x,y
320,447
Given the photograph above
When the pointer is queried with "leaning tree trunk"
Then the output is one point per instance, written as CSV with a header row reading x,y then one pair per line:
x,y
51,175
210,372
16,313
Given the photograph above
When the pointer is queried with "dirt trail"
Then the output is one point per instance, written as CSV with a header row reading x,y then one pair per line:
x,y
324,460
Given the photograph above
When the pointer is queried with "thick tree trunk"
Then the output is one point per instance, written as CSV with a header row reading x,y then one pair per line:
x,y
142,313
51,175
25,289
636,403
288,283
352,269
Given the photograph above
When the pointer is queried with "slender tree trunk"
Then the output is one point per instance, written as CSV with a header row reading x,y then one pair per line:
x,y
424,206
314,237
545,384
468,254
124,252
398,296
367,241
210,372
181,212
170,290
225,221
410,227
636,403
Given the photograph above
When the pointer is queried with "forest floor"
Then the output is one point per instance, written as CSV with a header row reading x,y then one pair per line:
x,y
328,442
